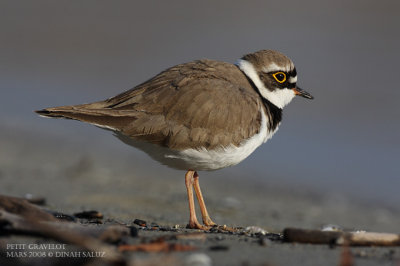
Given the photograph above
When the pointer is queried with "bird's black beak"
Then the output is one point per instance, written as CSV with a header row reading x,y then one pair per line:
x,y
302,93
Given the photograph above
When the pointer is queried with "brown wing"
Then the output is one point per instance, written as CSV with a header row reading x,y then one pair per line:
x,y
201,103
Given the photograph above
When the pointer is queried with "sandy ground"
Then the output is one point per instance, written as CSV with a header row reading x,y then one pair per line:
x,y
72,180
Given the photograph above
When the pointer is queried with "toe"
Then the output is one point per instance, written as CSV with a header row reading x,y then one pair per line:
x,y
195,225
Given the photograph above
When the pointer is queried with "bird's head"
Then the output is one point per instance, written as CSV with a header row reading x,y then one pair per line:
x,y
274,75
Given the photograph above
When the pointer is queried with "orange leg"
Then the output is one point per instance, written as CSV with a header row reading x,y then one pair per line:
x,y
193,222
206,218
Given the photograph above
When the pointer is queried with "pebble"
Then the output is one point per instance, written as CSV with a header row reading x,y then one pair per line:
x,y
140,222
89,215
255,230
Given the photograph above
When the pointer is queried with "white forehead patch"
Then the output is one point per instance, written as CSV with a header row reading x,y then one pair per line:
x,y
272,68
279,97
293,79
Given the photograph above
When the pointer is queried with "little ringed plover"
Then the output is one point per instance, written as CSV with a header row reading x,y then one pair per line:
x,y
201,115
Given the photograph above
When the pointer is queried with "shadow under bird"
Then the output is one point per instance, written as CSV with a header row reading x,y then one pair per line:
x,y
201,115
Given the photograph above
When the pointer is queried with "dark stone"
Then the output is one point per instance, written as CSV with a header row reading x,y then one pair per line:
x,y
89,215
140,222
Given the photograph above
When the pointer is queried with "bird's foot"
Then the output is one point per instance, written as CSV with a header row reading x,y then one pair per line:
x,y
213,227
197,225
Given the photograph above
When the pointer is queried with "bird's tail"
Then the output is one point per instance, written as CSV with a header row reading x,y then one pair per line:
x,y
91,113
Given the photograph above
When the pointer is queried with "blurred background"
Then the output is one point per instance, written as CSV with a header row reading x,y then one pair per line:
x,y
344,143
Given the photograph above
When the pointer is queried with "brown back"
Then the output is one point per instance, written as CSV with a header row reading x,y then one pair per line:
x,y
204,103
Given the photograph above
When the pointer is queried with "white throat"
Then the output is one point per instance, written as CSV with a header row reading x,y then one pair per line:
x,y
279,97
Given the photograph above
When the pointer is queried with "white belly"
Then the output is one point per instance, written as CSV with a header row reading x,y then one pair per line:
x,y
203,159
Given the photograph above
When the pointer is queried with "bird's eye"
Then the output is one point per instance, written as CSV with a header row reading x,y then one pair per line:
x,y
279,76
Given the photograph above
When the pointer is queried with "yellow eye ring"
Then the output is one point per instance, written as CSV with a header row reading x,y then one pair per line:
x,y
279,76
